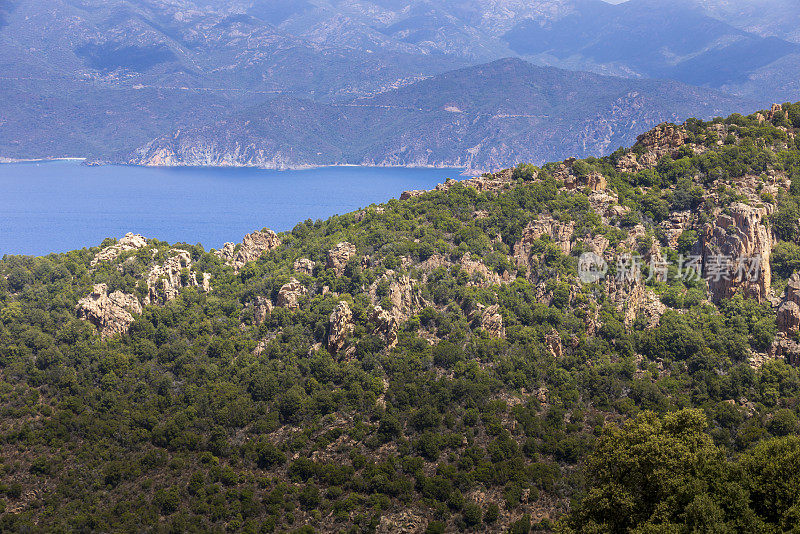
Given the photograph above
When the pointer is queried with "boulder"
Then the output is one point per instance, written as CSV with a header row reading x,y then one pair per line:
x,y
559,232
252,247
304,266
385,325
340,327
261,308
490,319
290,293
165,281
775,109
788,315
412,194
338,257
553,342
110,313
129,242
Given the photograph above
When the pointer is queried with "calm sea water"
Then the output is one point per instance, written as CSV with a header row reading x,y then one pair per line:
x,y
62,205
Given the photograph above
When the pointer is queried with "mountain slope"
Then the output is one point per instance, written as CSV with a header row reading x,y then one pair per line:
x,y
444,361
650,38
481,117
777,18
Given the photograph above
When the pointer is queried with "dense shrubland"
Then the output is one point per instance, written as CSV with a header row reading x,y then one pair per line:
x,y
177,425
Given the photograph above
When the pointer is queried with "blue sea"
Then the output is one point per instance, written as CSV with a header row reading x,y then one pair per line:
x,y
58,206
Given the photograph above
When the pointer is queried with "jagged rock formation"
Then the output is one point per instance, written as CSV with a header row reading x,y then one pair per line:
x,y
129,242
559,232
651,146
165,281
412,194
338,257
385,325
253,245
290,293
492,321
110,313
593,181
739,237
788,315
340,327
553,342
304,266
485,276
783,348
261,308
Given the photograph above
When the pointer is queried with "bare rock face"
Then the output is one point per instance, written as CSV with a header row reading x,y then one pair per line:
x,y
385,325
489,276
788,316
304,266
165,281
405,522
339,255
490,319
559,232
678,222
261,307
405,297
253,246
741,235
595,182
662,140
111,314
129,242
632,297
412,194
553,342
783,348
340,327
290,293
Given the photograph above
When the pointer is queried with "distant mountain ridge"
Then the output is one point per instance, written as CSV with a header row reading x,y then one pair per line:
x,y
108,76
482,117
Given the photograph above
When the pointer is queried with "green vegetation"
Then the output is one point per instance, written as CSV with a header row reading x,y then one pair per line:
x,y
178,425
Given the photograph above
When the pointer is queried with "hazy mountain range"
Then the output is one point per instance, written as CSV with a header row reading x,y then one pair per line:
x,y
481,117
114,79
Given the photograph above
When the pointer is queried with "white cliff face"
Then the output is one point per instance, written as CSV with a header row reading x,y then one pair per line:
x,y
111,313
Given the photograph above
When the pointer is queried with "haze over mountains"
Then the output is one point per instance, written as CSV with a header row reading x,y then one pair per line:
x,y
112,80
481,117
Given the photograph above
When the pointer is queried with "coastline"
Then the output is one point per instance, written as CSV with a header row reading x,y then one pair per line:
x,y
4,160
298,167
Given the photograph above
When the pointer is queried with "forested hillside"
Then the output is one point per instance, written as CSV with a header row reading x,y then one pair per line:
x,y
596,345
